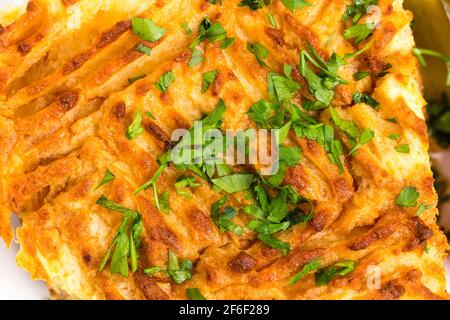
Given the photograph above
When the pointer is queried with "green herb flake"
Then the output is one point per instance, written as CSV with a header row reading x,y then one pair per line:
x,y
165,81
361,75
186,28
422,208
394,136
359,97
403,148
164,202
309,267
135,129
196,58
408,197
208,79
134,79
194,294
147,30
234,183
108,176
260,52
295,4
339,269
222,219
144,49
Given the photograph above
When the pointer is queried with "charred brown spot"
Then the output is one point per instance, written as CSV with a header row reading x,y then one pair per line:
x,y
2,29
118,110
149,287
392,290
163,234
68,3
183,57
276,35
217,85
342,189
87,258
368,239
421,234
243,262
23,48
76,63
318,222
113,34
201,224
31,6
158,133
68,100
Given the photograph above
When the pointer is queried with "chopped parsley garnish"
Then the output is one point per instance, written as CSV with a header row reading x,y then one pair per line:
x,y
421,53
394,136
403,148
226,43
178,272
143,49
196,58
134,79
254,4
295,4
109,176
194,294
359,32
408,197
135,129
359,8
184,182
339,269
260,52
153,183
272,21
281,87
223,218
208,79
392,120
186,28
356,138
321,85
165,81
361,75
234,183
126,241
147,30
207,30
359,97
309,267
164,202
422,208
275,243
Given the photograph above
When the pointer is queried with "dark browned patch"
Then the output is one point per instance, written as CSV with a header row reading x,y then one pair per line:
x,y
392,290
201,223
149,287
31,6
68,100
76,63
372,236
183,57
217,85
421,234
118,110
68,3
158,133
342,189
165,235
276,35
114,33
243,262
23,48
2,29
87,258
318,222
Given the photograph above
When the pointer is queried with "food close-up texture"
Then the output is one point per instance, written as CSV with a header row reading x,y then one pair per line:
x,y
91,92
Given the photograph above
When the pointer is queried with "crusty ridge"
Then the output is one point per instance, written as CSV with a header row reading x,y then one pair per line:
x,y
66,103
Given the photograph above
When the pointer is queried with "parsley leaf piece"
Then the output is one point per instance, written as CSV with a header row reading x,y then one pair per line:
x,y
392,120
209,31
253,4
349,127
226,43
394,136
422,208
421,53
342,268
147,30
295,4
291,156
361,75
208,79
125,242
408,197
186,28
272,21
134,79
165,81
259,51
280,88
143,49
234,183
267,227
223,219
309,267
164,201
359,97
403,148
153,270
366,136
196,58
195,294
179,273
356,10
135,129
275,243
359,32
109,176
